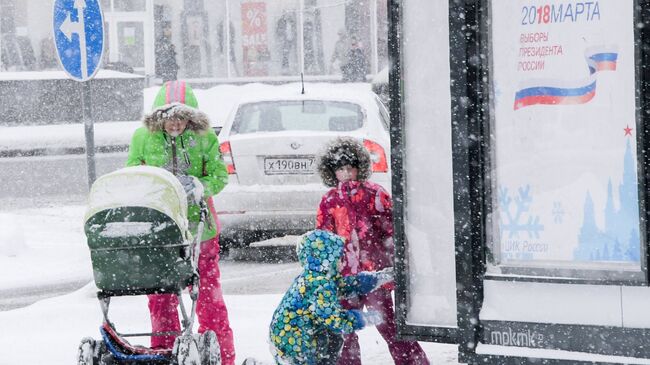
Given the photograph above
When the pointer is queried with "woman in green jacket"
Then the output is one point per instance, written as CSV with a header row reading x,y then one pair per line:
x,y
177,137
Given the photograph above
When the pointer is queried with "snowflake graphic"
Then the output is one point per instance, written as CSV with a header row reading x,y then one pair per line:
x,y
513,212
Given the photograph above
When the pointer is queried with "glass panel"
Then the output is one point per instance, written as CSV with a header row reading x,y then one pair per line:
x,y
382,34
194,51
429,208
218,22
335,39
284,37
7,17
105,4
566,198
131,43
130,5
107,45
312,34
265,38
309,115
355,65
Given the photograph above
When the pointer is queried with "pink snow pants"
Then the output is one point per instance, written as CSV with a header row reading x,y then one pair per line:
x,y
403,352
210,307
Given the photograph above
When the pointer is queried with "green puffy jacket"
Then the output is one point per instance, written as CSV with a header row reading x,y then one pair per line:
x,y
195,152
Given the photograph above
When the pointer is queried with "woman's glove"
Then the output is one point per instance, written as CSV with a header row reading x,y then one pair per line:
x,y
365,319
193,188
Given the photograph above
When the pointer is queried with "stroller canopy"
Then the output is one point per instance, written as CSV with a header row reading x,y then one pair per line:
x,y
140,186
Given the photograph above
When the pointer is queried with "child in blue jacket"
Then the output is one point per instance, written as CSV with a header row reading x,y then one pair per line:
x,y
309,323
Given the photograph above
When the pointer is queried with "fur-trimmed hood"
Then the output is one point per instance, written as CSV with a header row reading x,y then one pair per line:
x,y
340,152
198,121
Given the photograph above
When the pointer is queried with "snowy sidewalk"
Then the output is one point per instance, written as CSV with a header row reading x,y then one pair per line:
x,y
42,247
55,252
57,325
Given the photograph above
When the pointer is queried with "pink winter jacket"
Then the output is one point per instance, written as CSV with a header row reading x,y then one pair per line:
x,y
361,212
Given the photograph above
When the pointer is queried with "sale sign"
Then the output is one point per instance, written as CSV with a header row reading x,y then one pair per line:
x,y
254,38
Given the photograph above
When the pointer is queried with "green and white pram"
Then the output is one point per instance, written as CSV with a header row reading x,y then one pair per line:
x,y
140,243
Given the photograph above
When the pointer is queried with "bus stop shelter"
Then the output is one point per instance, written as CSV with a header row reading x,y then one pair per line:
x,y
519,159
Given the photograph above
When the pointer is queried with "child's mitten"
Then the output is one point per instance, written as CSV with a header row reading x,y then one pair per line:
x,y
385,276
364,319
367,281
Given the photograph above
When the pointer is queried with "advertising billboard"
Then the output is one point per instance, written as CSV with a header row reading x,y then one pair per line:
x,y
564,154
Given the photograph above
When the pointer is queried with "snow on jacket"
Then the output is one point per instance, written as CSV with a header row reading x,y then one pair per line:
x,y
311,304
360,212
195,152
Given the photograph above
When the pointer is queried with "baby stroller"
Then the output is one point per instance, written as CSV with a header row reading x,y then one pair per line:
x,y
140,243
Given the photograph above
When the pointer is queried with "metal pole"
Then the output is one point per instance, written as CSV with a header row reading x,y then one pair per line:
x,y
227,40
89,129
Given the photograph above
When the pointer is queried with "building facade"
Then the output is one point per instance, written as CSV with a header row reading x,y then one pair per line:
x,y
197,39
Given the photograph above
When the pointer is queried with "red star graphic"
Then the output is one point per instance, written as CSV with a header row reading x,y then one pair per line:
x,y
628,131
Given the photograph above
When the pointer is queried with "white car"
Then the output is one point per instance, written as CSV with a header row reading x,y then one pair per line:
x,y
271,143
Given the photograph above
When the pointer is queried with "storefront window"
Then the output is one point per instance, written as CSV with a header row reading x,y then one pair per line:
x,y
265,38
312,39
107,44
131,43
130,5
335,38
284,51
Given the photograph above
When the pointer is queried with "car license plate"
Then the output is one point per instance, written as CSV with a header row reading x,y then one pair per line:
x,y
289,165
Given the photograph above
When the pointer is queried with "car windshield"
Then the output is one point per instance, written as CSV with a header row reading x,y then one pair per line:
x,y
297,115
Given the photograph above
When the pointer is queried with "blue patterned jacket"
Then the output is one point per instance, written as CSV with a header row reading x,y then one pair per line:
x,y
311,304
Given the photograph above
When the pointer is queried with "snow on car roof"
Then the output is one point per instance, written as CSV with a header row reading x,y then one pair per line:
x,y
357,93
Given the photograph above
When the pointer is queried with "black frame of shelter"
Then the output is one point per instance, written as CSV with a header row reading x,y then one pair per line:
x,y
469,47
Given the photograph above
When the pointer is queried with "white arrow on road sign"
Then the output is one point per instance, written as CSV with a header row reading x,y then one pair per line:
x,y
68,27
80,55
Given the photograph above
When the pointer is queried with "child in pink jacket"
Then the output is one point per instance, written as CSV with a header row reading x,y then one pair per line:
x,y
361,212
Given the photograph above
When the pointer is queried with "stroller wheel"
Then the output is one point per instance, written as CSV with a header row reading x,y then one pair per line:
x,y
209,348
186,351
86,353
104,356
93,352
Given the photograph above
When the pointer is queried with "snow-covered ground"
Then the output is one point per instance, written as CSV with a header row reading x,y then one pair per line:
x,y
43,253
46,247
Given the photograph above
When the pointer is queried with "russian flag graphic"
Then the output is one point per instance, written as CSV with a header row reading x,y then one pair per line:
x,y
598,59
603,61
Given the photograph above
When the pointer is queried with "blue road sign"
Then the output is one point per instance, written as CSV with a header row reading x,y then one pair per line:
x,y
79,36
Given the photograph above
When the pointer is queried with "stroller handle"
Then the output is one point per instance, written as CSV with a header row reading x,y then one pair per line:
x,y
196,244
